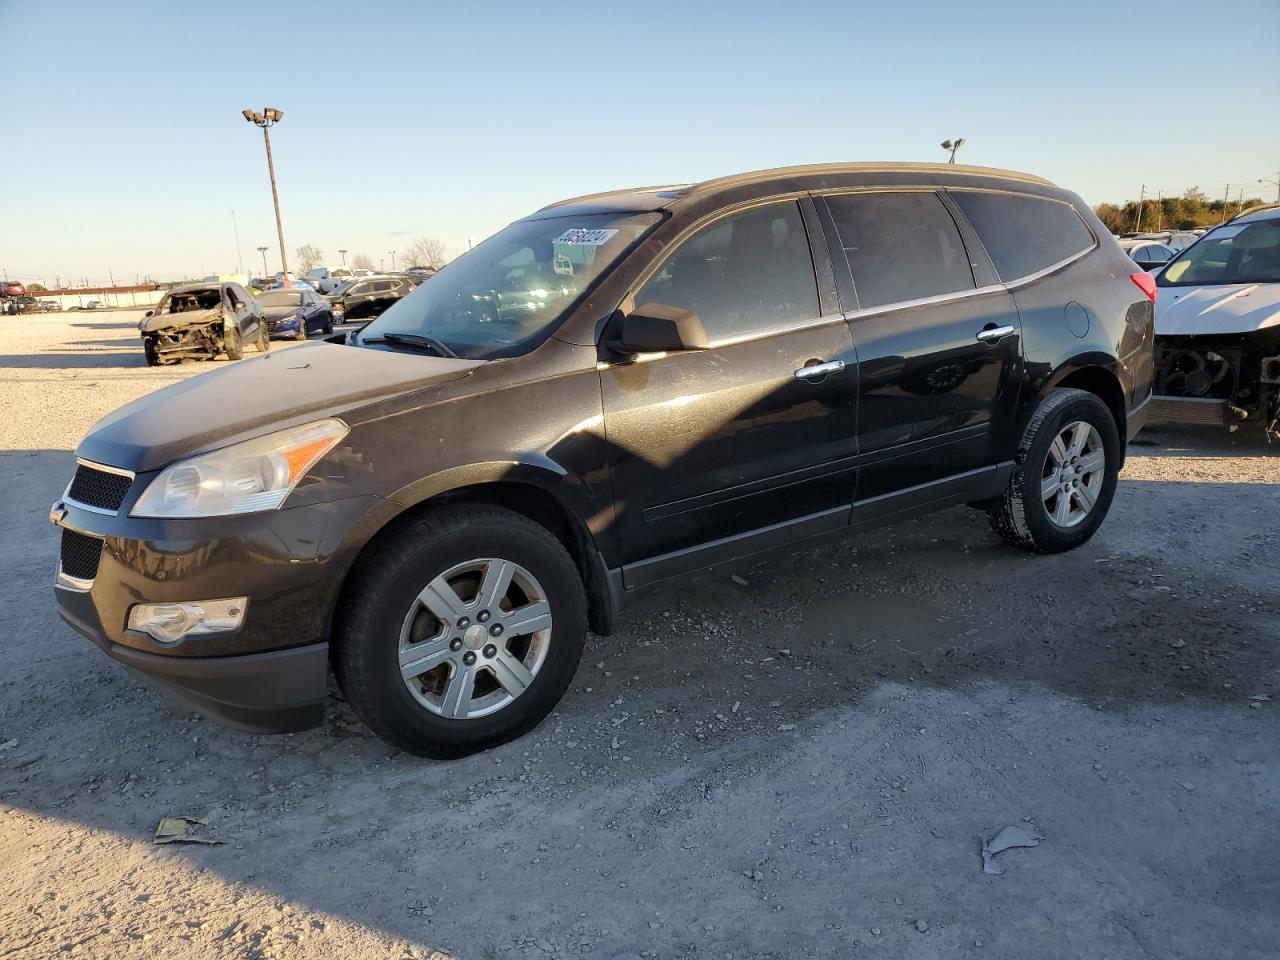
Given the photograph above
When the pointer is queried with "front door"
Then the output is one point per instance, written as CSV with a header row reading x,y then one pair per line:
x,y
940,354
724,443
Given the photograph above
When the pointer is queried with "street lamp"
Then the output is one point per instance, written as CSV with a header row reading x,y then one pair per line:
x,y
344,257
1274,183
393,260
269,118
263,251
953,146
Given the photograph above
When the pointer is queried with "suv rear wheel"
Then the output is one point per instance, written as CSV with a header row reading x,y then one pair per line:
x,y
463,631
1068,462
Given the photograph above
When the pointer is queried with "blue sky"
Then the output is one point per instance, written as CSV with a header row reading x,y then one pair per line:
x,y
126,151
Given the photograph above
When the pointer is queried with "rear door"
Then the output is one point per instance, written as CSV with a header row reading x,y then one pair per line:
x,y
938,339
724,443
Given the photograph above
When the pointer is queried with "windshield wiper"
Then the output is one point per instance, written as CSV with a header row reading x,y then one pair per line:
x,y
419,341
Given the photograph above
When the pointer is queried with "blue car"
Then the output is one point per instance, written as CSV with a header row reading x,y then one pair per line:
x,y
296,313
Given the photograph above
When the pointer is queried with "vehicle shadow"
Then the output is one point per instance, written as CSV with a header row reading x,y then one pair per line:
x,y
936,603
80,359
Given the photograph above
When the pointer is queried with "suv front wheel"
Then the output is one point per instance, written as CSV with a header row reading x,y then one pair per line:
x,y
463,631
1065,476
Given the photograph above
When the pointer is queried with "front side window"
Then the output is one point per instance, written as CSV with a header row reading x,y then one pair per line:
x,y
745,273
1235,253
516,286
900,246
1024,235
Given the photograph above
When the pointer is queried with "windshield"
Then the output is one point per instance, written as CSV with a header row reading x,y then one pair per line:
x,y
281,298
516,285
1236,253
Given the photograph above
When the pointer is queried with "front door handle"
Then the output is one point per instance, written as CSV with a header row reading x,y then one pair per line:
x,y
990,334
816,371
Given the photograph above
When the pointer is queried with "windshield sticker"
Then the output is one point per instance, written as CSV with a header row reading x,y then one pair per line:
x,y
582,237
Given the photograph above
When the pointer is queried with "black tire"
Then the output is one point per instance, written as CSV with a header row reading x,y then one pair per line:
x,y
1022,516
150,352
382,593
231,344
328,325
302,329
264,337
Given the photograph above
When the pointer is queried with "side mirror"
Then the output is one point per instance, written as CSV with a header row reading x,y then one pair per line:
x,y
149,313
658,328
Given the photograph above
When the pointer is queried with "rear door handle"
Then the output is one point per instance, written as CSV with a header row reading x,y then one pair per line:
x,y
992,334
819,370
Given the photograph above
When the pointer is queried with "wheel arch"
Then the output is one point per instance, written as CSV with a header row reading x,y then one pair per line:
x,y
523,488
1100,376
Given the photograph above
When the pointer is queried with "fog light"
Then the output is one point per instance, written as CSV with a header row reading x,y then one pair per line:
x,y
170,622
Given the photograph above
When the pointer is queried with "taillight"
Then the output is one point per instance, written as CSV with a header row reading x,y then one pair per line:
x,y
1146,283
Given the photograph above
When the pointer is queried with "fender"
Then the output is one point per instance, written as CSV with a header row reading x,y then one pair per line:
x,y
576,506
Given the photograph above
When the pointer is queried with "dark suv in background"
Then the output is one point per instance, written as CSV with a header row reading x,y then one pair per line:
x,y
612,392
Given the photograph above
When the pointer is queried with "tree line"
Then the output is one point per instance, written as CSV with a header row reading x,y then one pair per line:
x,y
423,252
1191,210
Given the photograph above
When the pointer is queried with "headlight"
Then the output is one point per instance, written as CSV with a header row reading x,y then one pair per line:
x,y
246,477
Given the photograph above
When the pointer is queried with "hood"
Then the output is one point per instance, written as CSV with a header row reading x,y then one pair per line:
x,y
1233,308
258,395
165,321
280,313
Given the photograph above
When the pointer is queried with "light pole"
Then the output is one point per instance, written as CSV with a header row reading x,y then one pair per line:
x,y
393,260
344,257
263,251
1274,183
953,146
269,118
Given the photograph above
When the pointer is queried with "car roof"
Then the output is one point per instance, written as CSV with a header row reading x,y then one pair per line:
x,y
196,287
1268,211
649,199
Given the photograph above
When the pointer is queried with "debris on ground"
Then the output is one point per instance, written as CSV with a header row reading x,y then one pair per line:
x,y
184,830
740,581
1006,839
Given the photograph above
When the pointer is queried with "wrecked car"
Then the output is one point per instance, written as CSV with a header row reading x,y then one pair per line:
x,y
202,320
1218,327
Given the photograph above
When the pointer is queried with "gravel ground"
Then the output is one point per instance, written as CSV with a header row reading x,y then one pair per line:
x,y
799,760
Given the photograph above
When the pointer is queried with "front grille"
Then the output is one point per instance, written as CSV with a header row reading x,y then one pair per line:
x,y
98,488
80,555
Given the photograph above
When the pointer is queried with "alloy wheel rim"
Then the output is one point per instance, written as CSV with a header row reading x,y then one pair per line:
x,y
474,638
1073,474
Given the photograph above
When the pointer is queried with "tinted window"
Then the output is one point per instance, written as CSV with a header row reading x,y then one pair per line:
x,y
900,246
1024,234
745,273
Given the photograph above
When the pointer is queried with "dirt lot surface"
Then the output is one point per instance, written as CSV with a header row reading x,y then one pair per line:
x,y
800,760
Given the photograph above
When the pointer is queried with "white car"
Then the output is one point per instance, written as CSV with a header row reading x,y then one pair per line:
x,y
1218,326
1148,254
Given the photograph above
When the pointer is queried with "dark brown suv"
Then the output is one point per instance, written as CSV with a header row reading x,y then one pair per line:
x,y
611,392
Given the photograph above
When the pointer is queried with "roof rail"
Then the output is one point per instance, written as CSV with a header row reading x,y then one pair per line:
x,y
738,179
1257,208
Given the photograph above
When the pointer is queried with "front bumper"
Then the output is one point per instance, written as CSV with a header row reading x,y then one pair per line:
x,y
269,675
287,327
281,691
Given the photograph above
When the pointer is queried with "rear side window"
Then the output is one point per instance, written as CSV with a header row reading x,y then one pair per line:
x,y
743,274
1023,234
900,246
